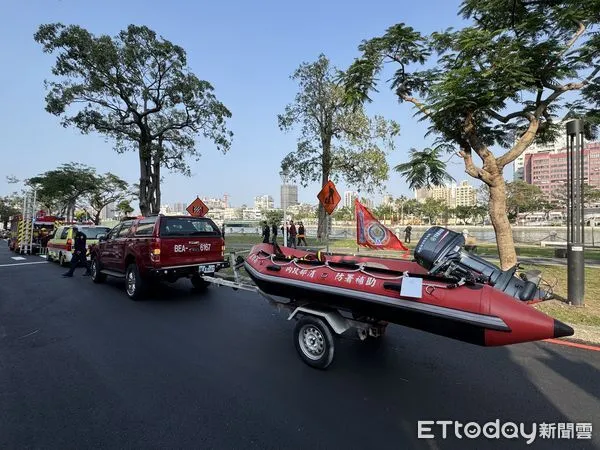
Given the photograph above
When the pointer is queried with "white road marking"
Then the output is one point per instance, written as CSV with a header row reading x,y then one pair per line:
x,y
23,264
43,256
17,258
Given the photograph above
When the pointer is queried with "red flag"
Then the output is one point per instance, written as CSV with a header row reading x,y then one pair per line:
x,y
370,233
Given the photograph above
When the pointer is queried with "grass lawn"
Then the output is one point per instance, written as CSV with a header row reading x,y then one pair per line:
x,y
555,275
586,315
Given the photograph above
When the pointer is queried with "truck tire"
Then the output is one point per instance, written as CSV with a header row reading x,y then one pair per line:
x,y
199,283
97,277
134,285
314,342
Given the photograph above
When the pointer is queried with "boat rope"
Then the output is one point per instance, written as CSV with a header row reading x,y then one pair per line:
x,y
429,287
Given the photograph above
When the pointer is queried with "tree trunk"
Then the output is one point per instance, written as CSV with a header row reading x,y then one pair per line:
x,y
322,227
155,206
97,218
145,194
499,218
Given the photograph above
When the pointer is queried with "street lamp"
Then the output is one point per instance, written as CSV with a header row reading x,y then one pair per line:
x,y
284,179
575,212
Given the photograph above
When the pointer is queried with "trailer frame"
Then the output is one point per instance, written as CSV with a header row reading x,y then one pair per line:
x,y
317,325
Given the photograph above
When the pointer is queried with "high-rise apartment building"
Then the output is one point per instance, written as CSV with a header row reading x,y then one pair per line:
x,y
289,195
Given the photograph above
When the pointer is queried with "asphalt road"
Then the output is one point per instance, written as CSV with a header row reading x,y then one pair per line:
x,y
82,366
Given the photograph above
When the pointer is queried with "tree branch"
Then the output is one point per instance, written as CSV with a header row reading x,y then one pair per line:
x,y
524,141
505,119
417,103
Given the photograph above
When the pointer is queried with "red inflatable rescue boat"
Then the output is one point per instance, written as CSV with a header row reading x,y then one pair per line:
x,y
444,290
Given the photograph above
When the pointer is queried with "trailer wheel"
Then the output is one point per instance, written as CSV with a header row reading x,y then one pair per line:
x,y
314,342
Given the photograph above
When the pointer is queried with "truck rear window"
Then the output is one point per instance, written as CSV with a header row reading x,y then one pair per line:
x,y
188,226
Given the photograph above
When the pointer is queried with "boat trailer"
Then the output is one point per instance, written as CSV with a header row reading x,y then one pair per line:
x,y
317,325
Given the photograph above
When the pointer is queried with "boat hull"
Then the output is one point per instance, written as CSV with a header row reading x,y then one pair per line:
x,y
370,287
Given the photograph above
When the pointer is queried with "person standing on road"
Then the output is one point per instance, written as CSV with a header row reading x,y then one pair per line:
x,y
407,233
293,234
79,254
274,234
266,233
301,235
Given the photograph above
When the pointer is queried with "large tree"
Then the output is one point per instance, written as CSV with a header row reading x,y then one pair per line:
x,y
137,89
9,206
523,197
495,83
109,189
336,141
62,189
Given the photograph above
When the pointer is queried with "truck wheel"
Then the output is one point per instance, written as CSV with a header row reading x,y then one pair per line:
x,y
314,342
62,260
199,283
133,282
97,277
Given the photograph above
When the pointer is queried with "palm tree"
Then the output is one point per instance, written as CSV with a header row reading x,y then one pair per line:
x,y
424,169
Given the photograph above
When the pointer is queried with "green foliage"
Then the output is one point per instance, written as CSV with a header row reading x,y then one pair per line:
x,y
433,209
346,213
273,216
77,185
60,189
124,207
425,169
9,206
523,197
591,195
135,88
384,211
500,81
109,189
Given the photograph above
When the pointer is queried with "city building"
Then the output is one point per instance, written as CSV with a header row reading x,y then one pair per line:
x,y
289,195
349,197
264,202
453,195
421,194
251,214
109,212
177,207
548,170
465,194
557,145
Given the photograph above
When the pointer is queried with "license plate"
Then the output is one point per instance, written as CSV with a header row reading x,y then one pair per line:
x,y
207,269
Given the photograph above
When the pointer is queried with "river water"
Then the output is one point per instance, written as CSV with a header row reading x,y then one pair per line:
x,y
521,235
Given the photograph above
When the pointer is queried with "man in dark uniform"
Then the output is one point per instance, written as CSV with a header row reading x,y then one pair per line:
x,y
79,254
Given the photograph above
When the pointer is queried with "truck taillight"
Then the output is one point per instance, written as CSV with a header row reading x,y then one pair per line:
x,y
222,250
69,244
155,250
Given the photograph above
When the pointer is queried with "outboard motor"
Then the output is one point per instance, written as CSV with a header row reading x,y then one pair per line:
x,y
441,251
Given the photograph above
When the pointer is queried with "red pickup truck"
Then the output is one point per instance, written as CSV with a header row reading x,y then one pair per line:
x,y
159,247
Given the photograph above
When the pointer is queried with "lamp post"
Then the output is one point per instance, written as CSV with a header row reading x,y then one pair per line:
x,y
575,211
284,180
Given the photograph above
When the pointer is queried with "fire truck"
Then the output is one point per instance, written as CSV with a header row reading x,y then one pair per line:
x,y
30,236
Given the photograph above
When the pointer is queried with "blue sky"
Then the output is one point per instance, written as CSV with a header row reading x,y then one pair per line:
x,y
247,50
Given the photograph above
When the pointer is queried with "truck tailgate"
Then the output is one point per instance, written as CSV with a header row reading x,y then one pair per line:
x,y
184,251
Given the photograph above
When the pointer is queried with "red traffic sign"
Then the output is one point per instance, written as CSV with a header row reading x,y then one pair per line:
x,y
197,208
329,197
